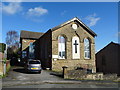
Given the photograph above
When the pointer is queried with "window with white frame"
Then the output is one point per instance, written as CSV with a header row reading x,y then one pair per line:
x,y
31,50
61,47
86,48
75,47
24,54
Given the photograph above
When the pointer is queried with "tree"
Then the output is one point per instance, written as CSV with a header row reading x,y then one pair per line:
x,y
12,41
2,47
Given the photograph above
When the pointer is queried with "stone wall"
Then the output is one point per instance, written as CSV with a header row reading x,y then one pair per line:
x,y
69,33
110,76
5,69
25,47
1,68
26,43
84,75
95,76
1,56
73,64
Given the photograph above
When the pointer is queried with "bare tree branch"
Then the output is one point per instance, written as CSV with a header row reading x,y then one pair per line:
x,y
12,39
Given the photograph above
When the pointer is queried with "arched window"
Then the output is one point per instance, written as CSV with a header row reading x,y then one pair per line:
x,y
61,47
75,48
86,48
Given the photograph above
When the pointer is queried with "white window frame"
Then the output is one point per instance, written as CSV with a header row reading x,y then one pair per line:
x,y
24,54
87,51
59,57
74,54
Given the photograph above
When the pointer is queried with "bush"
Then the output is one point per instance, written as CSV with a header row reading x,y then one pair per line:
x,y
4,60
2,47
0,76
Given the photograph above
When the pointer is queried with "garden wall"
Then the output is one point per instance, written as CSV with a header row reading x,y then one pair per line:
x,y
85,75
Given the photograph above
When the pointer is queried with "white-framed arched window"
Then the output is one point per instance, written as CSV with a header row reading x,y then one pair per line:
x,y
61,47
87,48
75,47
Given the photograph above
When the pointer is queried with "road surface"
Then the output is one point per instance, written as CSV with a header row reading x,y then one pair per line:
x,y
18,78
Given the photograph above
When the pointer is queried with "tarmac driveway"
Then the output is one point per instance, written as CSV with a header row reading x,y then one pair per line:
x,y
18,75
18,78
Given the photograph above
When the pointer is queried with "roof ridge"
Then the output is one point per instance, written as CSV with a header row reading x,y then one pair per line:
x,y
108,45
31,31
30,34
115,43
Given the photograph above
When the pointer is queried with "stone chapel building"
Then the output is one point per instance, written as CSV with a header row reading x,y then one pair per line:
x,y
70,44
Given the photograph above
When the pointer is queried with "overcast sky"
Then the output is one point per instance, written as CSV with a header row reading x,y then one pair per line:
x,y
102,18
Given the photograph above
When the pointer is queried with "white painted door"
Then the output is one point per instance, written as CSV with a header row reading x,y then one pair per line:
x,y
75,48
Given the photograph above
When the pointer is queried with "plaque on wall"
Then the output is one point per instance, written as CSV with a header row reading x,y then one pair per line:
x,y
54,56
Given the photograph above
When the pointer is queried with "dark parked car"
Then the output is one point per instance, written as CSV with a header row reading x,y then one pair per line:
x,y
33,66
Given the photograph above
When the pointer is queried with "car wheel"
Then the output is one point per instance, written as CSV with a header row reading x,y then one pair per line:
x,y
39,72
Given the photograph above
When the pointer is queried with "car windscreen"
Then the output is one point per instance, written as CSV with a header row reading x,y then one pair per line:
x,y
34,62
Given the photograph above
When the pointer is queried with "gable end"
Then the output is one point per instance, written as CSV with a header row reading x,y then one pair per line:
x,y
78,21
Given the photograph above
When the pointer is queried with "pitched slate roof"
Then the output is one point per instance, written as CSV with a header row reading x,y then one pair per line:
x,y
79,21
30,35
111,43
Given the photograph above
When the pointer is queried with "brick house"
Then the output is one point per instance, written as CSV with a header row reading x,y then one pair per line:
x,y
108,59
26,39
69,44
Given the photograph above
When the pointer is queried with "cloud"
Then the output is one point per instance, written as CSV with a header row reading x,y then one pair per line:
x,y
92,19
63,13
12,0
0,7
118,34
11,8
37,11
36,20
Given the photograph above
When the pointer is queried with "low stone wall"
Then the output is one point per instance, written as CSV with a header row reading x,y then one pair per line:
x,y
95,76
84,75
75,74
110,76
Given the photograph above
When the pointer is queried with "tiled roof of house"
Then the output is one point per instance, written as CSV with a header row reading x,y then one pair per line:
x,y
30,35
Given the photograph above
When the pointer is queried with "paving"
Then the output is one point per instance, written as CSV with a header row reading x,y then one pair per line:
x,y
18,78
